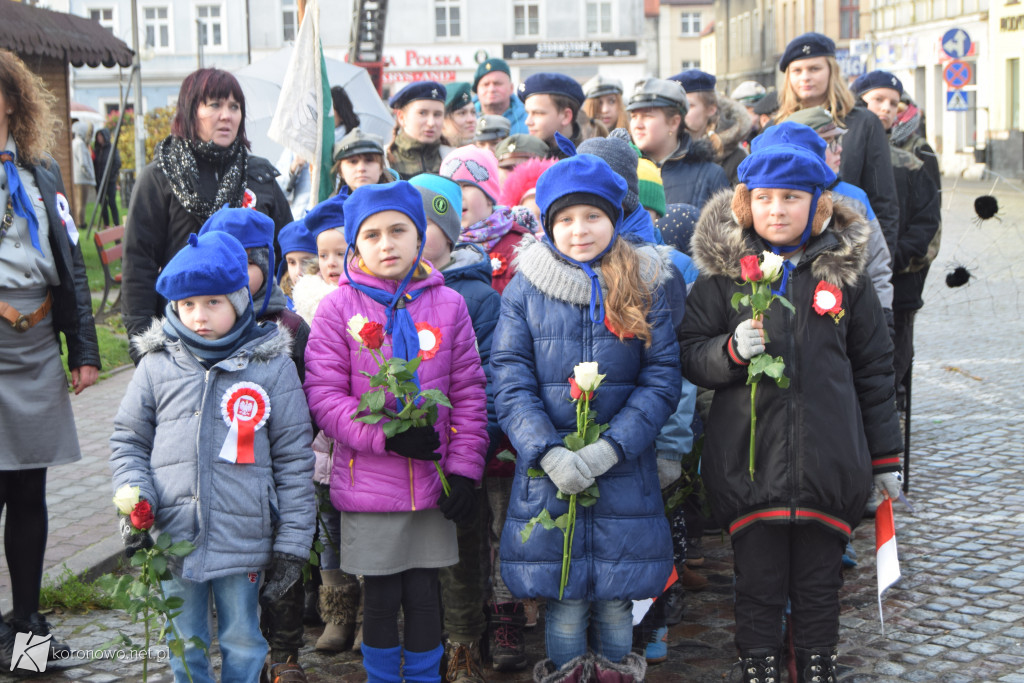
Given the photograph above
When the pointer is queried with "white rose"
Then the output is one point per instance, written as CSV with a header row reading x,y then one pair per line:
x,y
771,266
126,498
586,376
355,325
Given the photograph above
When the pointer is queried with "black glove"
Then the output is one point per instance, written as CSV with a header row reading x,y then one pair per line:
x,y
284,572
460,505
133,540
418,443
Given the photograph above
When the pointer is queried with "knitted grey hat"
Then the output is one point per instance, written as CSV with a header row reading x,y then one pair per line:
x,y
623,159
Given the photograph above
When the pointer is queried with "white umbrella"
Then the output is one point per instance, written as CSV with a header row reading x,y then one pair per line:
x,y
261,83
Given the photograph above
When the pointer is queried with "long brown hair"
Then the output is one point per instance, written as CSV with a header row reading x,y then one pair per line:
x,y
31,122
629,297
591,107
838,99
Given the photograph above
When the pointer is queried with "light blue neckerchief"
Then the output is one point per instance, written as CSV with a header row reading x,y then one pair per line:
x,y
20,201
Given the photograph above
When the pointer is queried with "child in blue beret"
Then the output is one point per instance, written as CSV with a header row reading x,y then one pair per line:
x,y
298,250
396,522
215,432
822,441
582,294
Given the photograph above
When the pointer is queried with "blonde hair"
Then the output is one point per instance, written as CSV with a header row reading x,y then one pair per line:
x,y
31,122
629,298
838,98
310,266
591,109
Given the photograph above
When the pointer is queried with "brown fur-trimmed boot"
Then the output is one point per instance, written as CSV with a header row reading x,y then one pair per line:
x,y
339,601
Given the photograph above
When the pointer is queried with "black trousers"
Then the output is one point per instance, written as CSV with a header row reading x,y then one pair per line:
x,y
801,563
417,593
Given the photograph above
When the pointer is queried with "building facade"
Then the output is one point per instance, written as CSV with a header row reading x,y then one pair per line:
x,y
680,25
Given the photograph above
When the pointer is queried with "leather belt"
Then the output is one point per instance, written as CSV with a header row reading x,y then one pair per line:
x,y
23,323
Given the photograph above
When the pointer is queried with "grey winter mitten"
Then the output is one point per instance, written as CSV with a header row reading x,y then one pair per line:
x,y
669,471
747,341
133,540
568,472
889,484
599,457
284,572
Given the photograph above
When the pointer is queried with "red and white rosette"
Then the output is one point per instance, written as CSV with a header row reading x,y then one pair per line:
x,y
245,407
249,199
827,299
430,340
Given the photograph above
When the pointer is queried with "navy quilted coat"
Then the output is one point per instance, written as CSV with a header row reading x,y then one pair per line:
x,y
622,547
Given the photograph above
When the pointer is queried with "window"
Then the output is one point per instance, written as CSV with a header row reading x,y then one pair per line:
x,y
289,20
211,28
689,64
447,20
1013,92
599,17
157,27
849,18
105,17
527,18
689,24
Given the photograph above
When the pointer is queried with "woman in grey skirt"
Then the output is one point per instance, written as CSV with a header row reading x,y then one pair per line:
x,y
43,293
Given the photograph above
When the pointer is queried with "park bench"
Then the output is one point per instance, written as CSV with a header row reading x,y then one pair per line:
x,y
109,245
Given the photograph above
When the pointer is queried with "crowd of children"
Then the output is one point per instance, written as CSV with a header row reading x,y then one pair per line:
x,y
491,271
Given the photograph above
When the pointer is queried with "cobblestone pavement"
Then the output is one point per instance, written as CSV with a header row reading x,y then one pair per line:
x,y
958,613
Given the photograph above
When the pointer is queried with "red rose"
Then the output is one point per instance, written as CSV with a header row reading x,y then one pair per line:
x,y
142,516
750,269
576,392
372,335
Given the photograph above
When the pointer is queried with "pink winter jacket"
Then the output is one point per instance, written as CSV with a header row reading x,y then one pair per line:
x,y
365,477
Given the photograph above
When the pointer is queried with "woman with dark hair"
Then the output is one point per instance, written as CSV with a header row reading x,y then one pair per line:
x,y
201,166
43,294
108,202
345,117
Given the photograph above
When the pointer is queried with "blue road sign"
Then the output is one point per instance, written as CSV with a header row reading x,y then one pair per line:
x,y
956,43
958,100
957,74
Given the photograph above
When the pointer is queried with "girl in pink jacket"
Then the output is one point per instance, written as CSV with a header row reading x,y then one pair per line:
x,y
396,523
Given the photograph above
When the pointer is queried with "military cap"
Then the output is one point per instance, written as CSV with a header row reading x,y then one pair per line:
x,y
658,92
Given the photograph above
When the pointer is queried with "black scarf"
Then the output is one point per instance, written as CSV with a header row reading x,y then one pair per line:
x,y
180,159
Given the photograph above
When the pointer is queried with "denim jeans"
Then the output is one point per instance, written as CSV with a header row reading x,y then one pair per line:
x,y
242,646
610,623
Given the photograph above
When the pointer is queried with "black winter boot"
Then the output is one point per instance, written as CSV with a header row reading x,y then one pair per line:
x,y
760,666
816,665
507,647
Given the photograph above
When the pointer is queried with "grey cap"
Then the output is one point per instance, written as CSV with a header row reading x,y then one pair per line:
x,y
358,142
599,86
490,127
769,104
521,146
658,92
622,157
748,92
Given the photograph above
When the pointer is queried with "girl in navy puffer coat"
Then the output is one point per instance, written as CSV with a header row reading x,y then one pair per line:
x,y
584,295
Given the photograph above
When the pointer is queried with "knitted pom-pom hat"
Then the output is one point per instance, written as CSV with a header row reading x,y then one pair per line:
x,y
475,166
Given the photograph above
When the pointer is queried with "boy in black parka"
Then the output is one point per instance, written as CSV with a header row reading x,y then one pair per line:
x,y
820,440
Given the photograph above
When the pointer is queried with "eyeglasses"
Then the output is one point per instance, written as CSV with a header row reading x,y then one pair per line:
x,y
835,145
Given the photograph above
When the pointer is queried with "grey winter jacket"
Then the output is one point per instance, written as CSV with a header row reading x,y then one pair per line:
x,y
167,438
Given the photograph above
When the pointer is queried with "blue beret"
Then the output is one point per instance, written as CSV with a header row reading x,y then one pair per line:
x,y
791,133
296,237
876,79
421,90
329,213
254,230
786,165
583,174
208,265
806,46
551,84
695,80
492,64
371,199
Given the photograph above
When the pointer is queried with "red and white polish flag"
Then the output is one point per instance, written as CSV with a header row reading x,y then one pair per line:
x,y
886,560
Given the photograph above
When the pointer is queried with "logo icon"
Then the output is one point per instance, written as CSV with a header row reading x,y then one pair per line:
x,y
440,205
31,652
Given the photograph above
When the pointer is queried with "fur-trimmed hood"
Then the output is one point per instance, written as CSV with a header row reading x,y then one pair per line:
x,y
837,255
734,124
307,294
273,344
562,281
694,150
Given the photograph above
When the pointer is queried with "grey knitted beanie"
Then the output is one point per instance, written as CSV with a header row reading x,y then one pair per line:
x,y
623,159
